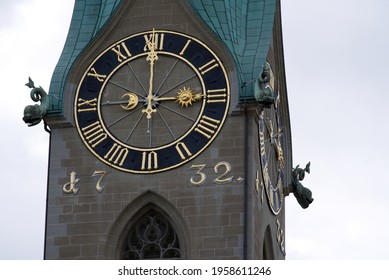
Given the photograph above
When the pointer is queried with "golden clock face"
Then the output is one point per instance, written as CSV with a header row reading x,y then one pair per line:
x,y
271,154
152,101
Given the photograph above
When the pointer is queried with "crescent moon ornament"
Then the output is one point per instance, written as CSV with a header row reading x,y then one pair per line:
x,y
132,101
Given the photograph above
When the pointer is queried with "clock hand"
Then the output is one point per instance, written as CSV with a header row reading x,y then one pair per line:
x,y
149,99
184,97
173,98
132,101
107,103
132,98
151,57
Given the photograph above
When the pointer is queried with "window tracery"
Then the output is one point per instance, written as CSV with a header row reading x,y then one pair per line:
x,y
151,237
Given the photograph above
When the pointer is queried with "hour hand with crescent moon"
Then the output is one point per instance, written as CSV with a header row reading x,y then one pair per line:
x,y
128,101
132,101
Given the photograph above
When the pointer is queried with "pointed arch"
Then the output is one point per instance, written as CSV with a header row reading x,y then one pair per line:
x,y
151,237
148,208
268,252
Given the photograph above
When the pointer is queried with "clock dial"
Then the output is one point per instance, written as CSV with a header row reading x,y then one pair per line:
x,y
271,154
152,101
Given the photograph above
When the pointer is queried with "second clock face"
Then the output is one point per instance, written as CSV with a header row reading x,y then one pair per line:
x,y
152,101
271,154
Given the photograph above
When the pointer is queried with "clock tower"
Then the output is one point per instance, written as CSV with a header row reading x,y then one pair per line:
x,y
169,132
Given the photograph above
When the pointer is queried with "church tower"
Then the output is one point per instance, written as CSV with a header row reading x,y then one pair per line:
x,y
170,134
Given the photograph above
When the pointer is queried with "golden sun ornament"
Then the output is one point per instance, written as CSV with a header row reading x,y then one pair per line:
x,y
186,96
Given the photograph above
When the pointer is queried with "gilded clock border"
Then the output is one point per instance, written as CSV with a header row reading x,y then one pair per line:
x,y
222,121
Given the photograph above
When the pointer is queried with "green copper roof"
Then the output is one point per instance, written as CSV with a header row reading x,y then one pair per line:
x,y
245,26
89,16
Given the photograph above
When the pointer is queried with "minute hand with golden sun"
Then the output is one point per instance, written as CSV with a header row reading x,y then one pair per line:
x,y
151,57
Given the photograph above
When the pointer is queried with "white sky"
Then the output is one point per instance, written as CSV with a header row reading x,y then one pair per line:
x,y
336,65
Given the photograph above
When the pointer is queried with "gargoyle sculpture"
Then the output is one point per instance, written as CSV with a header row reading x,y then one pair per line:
x,y
33,114
263,90
302,194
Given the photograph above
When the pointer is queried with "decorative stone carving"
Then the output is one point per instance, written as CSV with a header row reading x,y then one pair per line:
x,y
33,114
302,194
263,89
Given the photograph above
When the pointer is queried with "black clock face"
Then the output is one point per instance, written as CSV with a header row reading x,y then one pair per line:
x,y
152,101
271,154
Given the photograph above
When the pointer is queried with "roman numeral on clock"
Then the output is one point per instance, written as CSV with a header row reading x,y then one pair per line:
x,y
117,154
216,95
90,103
122,51
154,41
94,134
185,47
149,160
207,126
99,77
181,149
208,66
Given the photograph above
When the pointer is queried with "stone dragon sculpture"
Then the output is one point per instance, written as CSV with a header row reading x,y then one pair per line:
x,y
302,194
33,114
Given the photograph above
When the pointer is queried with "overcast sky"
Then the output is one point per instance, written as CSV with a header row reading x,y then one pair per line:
x,y
337,77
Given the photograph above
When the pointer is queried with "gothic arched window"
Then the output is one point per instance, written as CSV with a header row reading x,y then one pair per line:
x,y
151,237
267,253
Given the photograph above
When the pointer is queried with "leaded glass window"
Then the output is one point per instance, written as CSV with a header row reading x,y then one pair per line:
x,y
151,237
